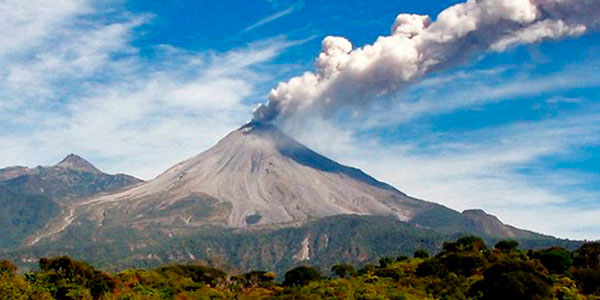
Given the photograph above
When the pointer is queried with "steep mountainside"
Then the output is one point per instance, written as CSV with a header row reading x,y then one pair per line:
x,y
356,239
71,179
257,200
254,178
32,197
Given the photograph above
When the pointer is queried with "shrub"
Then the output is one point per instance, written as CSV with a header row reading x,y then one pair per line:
x,y
507,246
588,280
421,254
512,280
556,260
301,276
7,267
385,261
343,270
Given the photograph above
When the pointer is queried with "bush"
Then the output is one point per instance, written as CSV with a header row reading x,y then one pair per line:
x,y
465,264
203,274
301,276
465,244
7,267
257,279
402,258
507,246
385,261
588,256
512,280
588,280
72,277
431,267
421,254
343,270
556,260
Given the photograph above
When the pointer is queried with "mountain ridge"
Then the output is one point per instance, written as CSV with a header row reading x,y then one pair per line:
x,y
31,198
258,198
257,176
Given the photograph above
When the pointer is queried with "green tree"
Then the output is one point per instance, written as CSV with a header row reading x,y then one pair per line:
x,y
421,254
512,279
587,256
588,280
343,270
507,246
465,244
385,261
557,260
257,279
68,277
7,267
300,276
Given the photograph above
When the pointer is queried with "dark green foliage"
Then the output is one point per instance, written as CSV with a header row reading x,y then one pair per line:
x,y
301,276
385,261
507,246
463,270
7,267
343,270
421,254
512,280
468,244
66,274
557,260
431,267
402,258
388,272
588,255
588,280
208,275
257,279
465,264
367,269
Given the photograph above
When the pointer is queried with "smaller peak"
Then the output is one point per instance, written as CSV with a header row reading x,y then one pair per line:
x,y
76,162
476,211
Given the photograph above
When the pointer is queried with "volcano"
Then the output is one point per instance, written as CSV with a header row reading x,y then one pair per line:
x,y
258,177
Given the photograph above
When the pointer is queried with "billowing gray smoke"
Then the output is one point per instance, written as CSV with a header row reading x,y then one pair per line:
x,y
347,77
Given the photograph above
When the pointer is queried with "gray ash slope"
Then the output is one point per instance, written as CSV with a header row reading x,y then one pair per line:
x,y
255,178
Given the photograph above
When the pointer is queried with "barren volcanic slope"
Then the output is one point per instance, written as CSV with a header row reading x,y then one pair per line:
x,y
258,177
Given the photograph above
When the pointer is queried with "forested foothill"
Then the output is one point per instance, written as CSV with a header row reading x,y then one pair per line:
x,y
465,269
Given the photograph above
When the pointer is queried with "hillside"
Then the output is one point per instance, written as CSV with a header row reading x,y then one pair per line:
x,y
257,199
31,197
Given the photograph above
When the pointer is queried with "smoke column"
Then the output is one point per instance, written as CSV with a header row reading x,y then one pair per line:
x,y
417,45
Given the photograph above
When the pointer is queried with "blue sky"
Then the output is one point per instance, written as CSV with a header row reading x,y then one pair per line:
x,y
136,86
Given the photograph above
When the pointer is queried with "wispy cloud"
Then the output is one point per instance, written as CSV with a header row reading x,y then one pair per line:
x,y
275,16
79,85
500,169
448,93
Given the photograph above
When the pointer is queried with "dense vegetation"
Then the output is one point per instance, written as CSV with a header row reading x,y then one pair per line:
x,y
354,239
464,269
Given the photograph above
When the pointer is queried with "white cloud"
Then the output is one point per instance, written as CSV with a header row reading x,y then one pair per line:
x,y
73,82
448,93
485,169
276,16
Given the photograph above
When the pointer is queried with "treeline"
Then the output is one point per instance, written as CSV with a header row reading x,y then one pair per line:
x,y
464,269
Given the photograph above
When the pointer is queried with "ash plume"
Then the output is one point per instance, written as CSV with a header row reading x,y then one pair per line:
x,y
354,77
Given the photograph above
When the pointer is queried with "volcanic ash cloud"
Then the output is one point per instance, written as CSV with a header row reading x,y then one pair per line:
x,y
354,77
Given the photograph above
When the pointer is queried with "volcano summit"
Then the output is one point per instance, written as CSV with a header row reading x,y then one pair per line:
x,y
259,177
258,199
